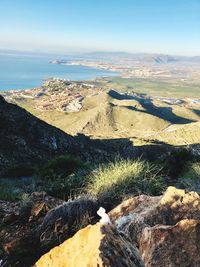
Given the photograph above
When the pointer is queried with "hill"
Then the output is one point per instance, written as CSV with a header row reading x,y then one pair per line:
x,y
108,114
26,140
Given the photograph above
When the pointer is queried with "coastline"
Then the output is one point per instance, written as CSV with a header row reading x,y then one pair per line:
x,y
30,72
90,64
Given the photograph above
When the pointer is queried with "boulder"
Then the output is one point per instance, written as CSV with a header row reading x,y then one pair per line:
x,y
133,215
159,231
171,245
93,246
165,229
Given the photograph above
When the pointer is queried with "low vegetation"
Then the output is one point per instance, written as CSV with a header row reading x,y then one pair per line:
x,y
113,181
190,179
67,177
59,177
176,163
60,166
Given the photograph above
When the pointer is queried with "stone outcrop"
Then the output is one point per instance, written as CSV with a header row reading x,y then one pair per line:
x,y
145,231
95,245
171,245
166,229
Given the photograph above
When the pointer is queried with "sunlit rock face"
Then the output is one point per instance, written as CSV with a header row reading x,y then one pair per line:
x,y
166,229
92,246
142,231
145,231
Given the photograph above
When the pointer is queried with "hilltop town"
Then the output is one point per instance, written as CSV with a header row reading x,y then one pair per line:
x,y
55,94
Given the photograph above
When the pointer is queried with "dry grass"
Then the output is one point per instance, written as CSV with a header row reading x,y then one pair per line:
x,y
115,180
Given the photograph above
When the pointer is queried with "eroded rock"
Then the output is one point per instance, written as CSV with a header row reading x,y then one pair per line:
x,y
166,245
166,229
92,246
133,215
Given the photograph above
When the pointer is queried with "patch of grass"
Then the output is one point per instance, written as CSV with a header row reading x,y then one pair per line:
x,y
16,189
60,167
190,179
113,181
63,187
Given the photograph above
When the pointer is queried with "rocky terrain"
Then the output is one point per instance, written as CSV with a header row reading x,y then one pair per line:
x,y
144,231
26,139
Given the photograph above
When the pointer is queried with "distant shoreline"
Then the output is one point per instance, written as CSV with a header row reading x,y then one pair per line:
x,y
89,64
29,73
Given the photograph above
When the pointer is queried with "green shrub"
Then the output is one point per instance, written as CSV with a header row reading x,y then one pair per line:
x,y
65,187
190,180
60,167
176,162
113,181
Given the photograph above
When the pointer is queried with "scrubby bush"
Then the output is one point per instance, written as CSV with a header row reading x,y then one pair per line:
x,y
60,167
177,162
190,180
65,187
113,181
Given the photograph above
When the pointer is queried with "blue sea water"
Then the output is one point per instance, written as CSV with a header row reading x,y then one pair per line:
x,y
18,71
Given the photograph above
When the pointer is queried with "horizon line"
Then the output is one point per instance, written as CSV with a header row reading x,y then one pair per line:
x,y
90,51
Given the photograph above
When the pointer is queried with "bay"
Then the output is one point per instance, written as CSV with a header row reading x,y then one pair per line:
x,y
19,71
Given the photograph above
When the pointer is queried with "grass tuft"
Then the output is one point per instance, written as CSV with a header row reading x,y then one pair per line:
x,y
115,180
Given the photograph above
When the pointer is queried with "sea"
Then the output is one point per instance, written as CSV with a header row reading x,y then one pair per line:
x,y
25,71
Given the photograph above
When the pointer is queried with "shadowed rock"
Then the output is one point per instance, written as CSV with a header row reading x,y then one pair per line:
x,y
27,231
177,245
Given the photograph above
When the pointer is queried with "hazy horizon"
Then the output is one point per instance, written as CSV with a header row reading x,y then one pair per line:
x,y
4,50
146,26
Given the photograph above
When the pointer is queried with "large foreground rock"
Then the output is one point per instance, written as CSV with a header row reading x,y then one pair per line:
x,y
93,246
160,231
166,229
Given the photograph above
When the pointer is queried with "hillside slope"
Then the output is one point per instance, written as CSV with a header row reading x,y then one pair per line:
x,y
25,138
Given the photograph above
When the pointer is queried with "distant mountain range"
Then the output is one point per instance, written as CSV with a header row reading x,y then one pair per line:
x,y
143,57
111,56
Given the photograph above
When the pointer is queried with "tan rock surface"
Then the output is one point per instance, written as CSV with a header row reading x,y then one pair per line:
x,y
93,246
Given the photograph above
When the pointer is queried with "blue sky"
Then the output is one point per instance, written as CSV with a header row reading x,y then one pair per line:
x,y
152,26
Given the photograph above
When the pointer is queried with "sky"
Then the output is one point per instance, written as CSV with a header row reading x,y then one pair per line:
x,y
151,26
